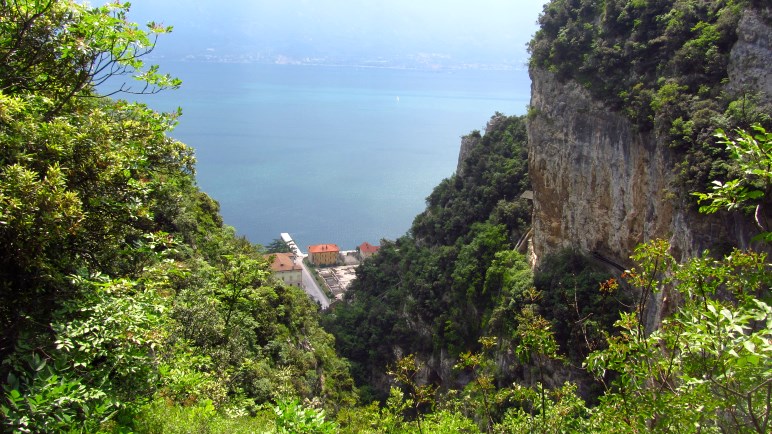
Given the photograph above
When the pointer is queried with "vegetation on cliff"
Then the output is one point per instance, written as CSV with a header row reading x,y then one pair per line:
x,y
423,297
705,368
662,63
454,277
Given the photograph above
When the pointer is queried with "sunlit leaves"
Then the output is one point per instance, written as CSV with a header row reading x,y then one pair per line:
x,y
714,350
752,153
119,283
292,417
114,331
30,203
63,49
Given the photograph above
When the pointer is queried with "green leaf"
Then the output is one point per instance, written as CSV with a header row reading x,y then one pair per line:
x,y
750,346
726,314
754,194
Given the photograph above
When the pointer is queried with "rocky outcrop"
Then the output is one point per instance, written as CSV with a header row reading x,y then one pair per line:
x,y
749,67
601,186
468,142
473,139
598,184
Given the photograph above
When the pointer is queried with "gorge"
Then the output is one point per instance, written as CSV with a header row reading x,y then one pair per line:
x,y
558,281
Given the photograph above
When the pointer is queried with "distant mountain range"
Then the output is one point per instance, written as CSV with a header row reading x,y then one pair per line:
x,y
438,61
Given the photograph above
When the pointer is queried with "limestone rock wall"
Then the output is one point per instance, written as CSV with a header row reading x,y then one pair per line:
x,y
749,68
601,186
468,142
598,184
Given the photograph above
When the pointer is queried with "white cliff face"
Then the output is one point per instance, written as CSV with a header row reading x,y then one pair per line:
x,y
602,187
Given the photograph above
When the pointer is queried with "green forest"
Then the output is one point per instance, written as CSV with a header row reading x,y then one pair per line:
x,y
128,306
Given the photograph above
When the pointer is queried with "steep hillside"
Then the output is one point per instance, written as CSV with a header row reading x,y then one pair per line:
x,y
127,306
625,99
435,292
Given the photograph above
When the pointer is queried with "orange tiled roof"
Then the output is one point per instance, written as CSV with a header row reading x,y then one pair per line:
x,y
322,248
368,248
283,262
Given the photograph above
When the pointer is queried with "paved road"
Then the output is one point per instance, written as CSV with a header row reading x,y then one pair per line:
x,y
312,288
309,283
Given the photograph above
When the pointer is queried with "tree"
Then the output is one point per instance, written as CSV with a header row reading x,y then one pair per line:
x,y
77,185
119,284
278,246
752,154
405,371
708,366
62,49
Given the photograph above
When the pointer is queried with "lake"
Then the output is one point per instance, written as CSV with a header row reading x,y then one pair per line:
x,y
329,154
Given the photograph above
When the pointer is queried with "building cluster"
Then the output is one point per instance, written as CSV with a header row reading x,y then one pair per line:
x,y
322,255
336,267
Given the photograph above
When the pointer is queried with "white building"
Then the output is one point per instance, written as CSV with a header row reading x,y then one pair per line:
x,y
285,269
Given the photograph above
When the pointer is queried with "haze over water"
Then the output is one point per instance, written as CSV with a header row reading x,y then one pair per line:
x,y
296,131
329,154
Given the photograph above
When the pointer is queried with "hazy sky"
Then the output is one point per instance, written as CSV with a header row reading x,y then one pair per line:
x,y
492,31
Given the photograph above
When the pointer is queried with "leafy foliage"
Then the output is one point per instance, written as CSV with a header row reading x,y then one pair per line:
x,y
278,246
121,292
60,49
126,305
490,182
571,300
753,155
293,418
704,366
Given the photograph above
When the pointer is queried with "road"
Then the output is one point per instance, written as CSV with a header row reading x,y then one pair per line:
x,y
309,283
312,288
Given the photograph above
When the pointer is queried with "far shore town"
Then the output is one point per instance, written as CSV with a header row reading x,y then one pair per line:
x,y
325,273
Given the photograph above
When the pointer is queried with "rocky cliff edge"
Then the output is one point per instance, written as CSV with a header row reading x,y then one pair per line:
x,y
603,187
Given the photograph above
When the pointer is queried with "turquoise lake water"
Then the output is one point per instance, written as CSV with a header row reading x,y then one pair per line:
x,y
329,154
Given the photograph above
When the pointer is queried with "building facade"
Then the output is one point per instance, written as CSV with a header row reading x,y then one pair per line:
x,y
285,269
366,250
323,254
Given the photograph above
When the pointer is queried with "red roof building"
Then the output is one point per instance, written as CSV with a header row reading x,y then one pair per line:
x,y
324,254
285,269
366,250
